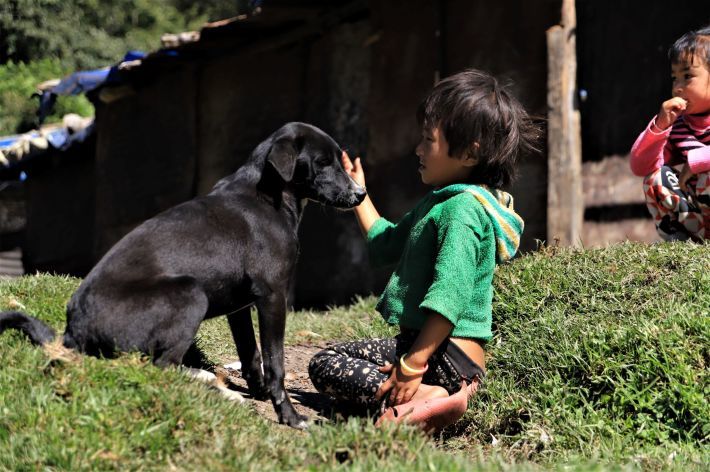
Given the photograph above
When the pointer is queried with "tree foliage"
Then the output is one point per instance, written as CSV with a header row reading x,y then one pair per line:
x,y
18,81
45,39
89,33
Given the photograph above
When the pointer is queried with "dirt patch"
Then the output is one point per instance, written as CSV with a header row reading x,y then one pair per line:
x,y
305,398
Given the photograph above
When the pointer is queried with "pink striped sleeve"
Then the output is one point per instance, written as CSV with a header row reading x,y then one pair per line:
x,y
648,152
699,160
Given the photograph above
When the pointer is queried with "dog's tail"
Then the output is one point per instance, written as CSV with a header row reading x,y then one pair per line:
x,y
37,331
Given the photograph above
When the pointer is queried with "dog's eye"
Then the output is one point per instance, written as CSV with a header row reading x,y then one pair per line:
x,y
322,160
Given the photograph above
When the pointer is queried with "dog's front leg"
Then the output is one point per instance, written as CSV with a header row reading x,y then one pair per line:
x,y
243,334
272,324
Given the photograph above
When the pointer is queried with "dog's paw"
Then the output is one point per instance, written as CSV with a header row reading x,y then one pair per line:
x,y
236,365
201,375
230,395
258,392
296,421
217,381
303,424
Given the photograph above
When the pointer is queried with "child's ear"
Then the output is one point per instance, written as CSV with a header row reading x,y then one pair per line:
x,y
471,157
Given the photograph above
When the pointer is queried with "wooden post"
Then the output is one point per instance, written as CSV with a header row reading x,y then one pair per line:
x,y
565,205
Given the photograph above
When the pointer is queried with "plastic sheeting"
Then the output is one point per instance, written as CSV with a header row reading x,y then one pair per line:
x,y
18,148
81,82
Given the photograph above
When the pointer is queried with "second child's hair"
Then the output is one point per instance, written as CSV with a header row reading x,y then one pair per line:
x,y
691,45
473,107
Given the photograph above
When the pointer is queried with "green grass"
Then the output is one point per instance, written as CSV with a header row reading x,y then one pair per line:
x,y
600,362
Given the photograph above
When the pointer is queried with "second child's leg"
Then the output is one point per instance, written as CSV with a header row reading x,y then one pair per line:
x,y
676,217
702,197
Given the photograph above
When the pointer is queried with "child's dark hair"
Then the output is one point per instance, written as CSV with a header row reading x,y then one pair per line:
x,y
690,45
473,107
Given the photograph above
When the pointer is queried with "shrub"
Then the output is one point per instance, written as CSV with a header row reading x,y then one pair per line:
x,y
18,81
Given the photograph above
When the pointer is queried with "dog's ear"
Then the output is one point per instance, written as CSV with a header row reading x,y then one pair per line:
x,y
282,156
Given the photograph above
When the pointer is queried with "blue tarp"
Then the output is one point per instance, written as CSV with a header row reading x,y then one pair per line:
x,y
56,137
84,81
81,82
20,148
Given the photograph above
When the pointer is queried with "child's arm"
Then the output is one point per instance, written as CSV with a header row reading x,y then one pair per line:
x,y
698,161
402,387
650,152
385,239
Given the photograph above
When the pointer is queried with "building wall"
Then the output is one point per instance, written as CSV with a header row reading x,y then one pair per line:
x,y
13,219
146,152
191,121
420,41
59,233
189,124
243,98
507,38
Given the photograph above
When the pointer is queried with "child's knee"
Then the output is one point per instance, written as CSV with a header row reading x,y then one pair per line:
x,y
662,189
654,178
665,177
702,189
320,361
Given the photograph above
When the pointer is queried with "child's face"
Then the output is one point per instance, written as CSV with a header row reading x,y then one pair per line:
x,y
436,167
691,82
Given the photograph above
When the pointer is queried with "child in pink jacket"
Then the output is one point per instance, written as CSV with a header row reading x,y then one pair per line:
x,y
679,136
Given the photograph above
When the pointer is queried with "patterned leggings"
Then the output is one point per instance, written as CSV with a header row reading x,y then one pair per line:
x,y
678,215
348,372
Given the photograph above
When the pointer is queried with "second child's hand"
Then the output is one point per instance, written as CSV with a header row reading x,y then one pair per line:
x,y
670,111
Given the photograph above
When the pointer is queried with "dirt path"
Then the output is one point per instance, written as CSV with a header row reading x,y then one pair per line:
x,y
304,396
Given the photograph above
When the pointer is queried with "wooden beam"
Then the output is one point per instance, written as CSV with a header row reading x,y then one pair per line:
x,y
565,204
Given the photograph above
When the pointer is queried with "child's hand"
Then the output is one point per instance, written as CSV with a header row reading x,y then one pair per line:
x,y
354,169
685,175
401,387
670,111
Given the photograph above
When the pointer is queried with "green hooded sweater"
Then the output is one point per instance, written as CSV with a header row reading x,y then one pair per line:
x,y
446,249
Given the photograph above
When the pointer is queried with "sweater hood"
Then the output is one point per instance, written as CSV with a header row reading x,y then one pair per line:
x,y
498,205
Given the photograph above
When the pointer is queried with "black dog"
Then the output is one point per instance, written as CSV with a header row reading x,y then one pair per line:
x,y
212,255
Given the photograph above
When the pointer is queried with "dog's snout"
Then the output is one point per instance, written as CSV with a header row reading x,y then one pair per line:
x,y
360,193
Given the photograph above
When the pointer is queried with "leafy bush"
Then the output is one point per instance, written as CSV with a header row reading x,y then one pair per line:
x,y
42,39
19,81
34,29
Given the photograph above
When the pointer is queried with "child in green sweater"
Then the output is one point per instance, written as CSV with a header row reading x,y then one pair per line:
x,y
445,250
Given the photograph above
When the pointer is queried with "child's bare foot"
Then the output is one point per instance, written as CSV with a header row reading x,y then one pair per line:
x,y
427,392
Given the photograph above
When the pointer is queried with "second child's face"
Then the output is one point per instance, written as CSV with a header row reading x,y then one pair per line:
x,y
691,82
436,167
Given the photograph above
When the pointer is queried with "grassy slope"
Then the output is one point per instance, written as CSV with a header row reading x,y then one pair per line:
x,y
600,360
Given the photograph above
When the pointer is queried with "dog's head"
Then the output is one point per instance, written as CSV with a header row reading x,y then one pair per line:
x,y
309,161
